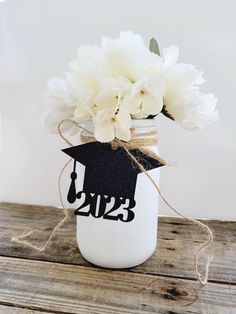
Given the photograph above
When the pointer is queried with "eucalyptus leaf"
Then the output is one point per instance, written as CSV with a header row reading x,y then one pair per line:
x,y
153,46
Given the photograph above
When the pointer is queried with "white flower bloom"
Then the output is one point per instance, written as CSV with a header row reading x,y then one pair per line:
x,y
112,122
58,94
85,111
121,79
91,60
193,109
146,98
181,77
111,91
178,76
201,109
107,98
183,101
61,104
128,56
55,116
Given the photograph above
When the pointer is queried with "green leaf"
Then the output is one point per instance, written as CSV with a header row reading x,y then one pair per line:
x,y
153,46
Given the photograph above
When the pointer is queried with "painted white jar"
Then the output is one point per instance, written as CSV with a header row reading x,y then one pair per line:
x,y
115,244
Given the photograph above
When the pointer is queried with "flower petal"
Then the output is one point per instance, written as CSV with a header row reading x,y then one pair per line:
x,y
123,125
104,132
152,105
170,55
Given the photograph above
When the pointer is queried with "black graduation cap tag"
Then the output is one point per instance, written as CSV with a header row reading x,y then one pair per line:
x,y
109,180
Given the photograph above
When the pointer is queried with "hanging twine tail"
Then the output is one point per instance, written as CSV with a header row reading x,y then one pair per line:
x,y
23,238
205,227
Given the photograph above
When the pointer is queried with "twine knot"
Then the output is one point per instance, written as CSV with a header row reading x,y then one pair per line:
x,y
114,145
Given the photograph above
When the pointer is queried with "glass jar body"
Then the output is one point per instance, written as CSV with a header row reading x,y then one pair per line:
x,y
118,244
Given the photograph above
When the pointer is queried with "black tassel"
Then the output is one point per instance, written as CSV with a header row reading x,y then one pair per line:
x,y
71,196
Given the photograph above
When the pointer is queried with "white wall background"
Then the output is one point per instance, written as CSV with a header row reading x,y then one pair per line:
x,y
40,37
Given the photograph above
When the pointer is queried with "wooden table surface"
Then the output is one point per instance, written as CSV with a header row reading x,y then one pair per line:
x,y
59,280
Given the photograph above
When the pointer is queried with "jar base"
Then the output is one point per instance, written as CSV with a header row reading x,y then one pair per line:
x,y
117,264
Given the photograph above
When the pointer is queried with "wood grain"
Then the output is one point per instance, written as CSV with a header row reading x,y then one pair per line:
x,y
177,241
65,288
60,281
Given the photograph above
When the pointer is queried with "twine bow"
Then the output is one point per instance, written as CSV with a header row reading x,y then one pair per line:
x,y
140,144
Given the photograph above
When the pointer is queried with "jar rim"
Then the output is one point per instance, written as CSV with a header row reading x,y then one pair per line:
x,y
136,123
143,123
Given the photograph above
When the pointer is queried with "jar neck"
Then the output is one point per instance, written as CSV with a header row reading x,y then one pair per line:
x,y
143,128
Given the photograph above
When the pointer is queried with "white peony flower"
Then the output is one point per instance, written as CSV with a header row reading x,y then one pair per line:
x,y
121,79
128,56
61,105
193,109
91,60
55,116
183,102
58,94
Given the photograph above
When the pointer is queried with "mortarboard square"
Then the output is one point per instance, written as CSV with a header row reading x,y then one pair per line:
x,y
110,171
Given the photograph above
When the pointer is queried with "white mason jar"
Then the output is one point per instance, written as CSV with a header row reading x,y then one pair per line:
x,y
117,244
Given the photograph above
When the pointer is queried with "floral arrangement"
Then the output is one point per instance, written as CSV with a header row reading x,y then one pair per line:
x,y
121,80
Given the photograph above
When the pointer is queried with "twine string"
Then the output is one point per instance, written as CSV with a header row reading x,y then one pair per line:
x,y
139,144
201,224
22,239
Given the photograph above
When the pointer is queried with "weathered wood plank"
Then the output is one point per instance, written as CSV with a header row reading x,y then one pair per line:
x,y
77,289
16,310
177,241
